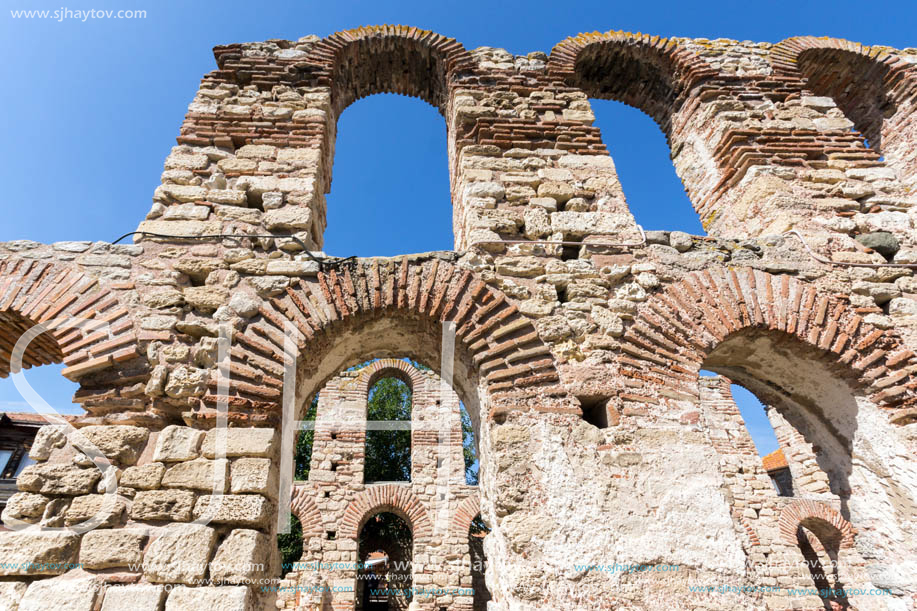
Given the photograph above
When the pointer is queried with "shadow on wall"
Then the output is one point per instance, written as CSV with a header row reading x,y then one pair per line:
x,y
794,380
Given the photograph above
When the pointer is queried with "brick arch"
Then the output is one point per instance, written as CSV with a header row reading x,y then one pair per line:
x,y
385,368
34,292
817,517
677,329
388,59
498,350
464,514
869,84
650,73
304,508
394,498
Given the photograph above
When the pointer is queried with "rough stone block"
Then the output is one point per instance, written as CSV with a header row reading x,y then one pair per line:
x,y
176,443
155,505
242,556
199,474
255,476
143,477
37,553
11,593
139,597
239,510
119,443
239,442
61,595
103,549
47,439
25,505
110,510
56,479
214,598
180,554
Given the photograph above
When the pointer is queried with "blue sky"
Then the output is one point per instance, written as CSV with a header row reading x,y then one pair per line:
x,y
91,108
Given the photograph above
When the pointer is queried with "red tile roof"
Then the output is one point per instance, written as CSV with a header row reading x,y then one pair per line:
x,y
32,418
774,461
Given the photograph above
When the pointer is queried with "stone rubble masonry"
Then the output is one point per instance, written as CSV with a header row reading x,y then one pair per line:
x,y
578,362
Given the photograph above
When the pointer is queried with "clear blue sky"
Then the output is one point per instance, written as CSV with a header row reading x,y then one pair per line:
x,y
92,108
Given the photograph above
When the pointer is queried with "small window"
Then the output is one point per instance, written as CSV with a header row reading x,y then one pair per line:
x,y
25,462
5,456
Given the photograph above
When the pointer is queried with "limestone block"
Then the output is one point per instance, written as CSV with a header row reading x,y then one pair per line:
x,y
262,184
120,443
206,298
11,593
180,554
300,157
524,267
485,189
172,505
86,507
25,505
136,597
58,479
292,268
181,227
257,442
176,443
143,477
229,197
212,598
186,161
185,382
287,218
239,510
237,165
186,212
199,474
242,556
182,193
585,223
37,553
559,191
107,548
164,297
244,304
47,439
254,475
61,595
256,151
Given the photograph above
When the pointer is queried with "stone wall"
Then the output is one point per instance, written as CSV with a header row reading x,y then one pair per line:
x,y
578,336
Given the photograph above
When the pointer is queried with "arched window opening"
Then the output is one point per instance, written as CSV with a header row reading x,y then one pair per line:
x,y
390,193
856,83
819,543
476,533
388,442
812,412
655,194
386,549
469,449
291,544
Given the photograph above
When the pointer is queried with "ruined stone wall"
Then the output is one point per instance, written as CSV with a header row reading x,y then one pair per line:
x,y
578,337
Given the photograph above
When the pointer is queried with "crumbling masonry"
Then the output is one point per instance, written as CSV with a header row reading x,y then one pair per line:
x,y
578,338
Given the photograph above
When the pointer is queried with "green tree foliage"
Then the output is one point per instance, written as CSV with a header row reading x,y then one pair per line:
x,y
290,545
468,449
388,453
